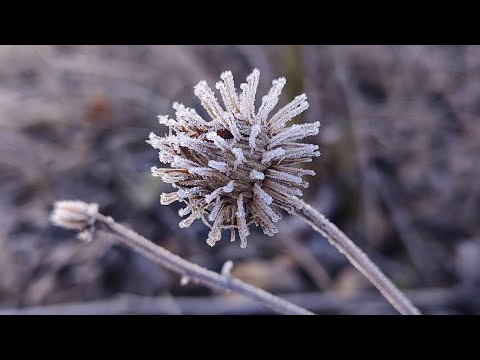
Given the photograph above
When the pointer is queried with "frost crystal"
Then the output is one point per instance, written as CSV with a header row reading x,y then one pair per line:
x,y
256,175
239,167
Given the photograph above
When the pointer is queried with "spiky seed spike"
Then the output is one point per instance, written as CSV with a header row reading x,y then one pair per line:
x,y
270,155
293,133
188,221
216,209
270,100
218,165
241,220
251,91
256,129
208,99
217,140
288,112
167,199
227,78
257,190
215,233
225,189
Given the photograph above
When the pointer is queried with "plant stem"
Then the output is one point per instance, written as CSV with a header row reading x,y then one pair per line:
x,y
196,273
356,256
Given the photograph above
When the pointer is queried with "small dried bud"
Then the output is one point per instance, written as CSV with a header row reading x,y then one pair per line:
x,y
238,167
75,215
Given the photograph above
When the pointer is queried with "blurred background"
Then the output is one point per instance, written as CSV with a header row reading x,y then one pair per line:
x,y
399,173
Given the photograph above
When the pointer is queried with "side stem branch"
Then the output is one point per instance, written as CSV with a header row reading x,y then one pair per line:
x,y
196,273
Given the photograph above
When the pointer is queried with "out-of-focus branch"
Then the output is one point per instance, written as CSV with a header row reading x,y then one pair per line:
x,y
431,299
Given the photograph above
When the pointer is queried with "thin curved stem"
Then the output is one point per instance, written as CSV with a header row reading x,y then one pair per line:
x,y
356,256
194,272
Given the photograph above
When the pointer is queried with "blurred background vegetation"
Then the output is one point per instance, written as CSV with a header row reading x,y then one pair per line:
x,y
399,173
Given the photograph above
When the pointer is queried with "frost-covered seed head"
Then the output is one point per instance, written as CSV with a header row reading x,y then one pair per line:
x,y
239,167
76,215
71,214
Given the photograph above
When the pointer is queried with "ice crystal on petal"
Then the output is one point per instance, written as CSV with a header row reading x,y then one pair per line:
x,y
239,166
270,155
218,165
270,100
239,157
256,175
257,190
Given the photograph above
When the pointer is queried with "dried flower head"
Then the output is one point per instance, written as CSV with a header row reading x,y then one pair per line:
x,y
239,167
76,215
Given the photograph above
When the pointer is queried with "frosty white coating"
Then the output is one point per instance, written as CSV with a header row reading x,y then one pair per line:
x,y
239,167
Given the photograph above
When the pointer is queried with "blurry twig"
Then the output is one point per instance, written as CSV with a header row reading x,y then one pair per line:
x,y
406,231
353,156
429,298
86,218
307,261
412,241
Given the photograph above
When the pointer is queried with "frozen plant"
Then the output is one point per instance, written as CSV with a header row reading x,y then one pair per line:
x,y
239,167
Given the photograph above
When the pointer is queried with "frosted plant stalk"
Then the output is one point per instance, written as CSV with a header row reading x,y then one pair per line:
x,y
85,218
242,165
